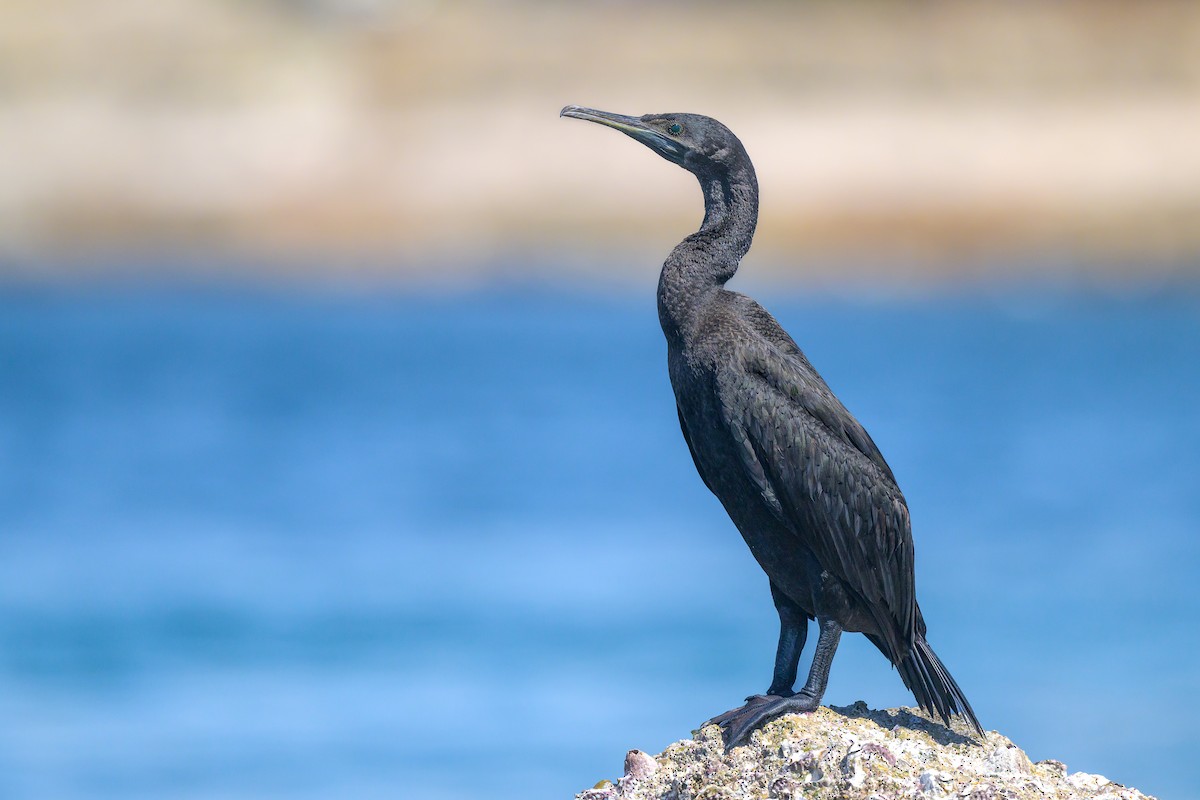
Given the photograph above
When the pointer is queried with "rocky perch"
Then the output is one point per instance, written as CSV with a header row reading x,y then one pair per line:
x,y
852,753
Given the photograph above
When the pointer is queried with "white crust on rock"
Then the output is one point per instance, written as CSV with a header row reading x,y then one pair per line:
x,y
853,753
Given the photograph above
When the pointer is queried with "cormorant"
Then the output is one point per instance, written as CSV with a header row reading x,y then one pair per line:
x,y
799,476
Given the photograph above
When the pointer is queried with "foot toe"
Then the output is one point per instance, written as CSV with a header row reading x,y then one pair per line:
x,y
761,698
723,719
753,701
739,723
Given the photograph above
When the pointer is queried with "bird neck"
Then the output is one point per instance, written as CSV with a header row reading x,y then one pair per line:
x,y
704,261
730,214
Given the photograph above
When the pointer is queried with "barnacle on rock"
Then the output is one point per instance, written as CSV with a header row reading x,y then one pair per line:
x,y
853,753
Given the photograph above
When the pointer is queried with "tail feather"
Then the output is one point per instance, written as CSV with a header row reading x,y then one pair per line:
x,y
932,685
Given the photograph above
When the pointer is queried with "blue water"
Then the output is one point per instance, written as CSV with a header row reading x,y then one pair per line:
x,y
319,545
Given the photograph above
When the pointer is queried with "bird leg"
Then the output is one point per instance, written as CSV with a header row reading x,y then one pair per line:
x,y
793,632
738,723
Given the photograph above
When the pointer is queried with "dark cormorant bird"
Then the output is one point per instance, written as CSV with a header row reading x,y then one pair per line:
x,y
799,476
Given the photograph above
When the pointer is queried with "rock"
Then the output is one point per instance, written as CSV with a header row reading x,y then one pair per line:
x,y
639,765
932,783
853,753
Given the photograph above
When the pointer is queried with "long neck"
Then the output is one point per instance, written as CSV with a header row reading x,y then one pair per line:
x,y
730,216
704,261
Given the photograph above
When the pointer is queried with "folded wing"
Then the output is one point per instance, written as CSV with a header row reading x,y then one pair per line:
x,y
824,478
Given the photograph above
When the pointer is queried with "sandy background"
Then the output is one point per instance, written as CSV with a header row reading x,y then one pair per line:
x,y
386,136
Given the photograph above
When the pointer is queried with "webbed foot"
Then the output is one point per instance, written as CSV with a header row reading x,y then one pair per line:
x,y
737,724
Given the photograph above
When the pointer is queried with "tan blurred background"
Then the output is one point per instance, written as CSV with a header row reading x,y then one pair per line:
x,y
375,136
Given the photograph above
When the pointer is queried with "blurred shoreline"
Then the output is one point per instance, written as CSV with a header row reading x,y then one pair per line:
x,y
629,275
374,139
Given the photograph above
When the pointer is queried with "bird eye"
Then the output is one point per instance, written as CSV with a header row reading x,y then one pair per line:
x,y
675,129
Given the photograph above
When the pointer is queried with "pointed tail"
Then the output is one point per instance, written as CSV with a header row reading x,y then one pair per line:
x,y
932,685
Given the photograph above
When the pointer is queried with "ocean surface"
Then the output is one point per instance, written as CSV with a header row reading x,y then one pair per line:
x,y
368,544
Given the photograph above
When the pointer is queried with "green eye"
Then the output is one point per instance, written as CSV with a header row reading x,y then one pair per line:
x,y
675,129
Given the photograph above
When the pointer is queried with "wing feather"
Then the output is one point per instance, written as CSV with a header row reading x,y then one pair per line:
x,y
825,479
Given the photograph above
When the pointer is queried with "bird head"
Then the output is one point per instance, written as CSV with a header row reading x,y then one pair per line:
x,y
697,143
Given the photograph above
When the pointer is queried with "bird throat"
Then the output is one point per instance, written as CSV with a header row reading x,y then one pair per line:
x,y
705,260
731,210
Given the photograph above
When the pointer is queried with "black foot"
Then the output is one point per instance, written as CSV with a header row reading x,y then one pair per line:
x,y
738,723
